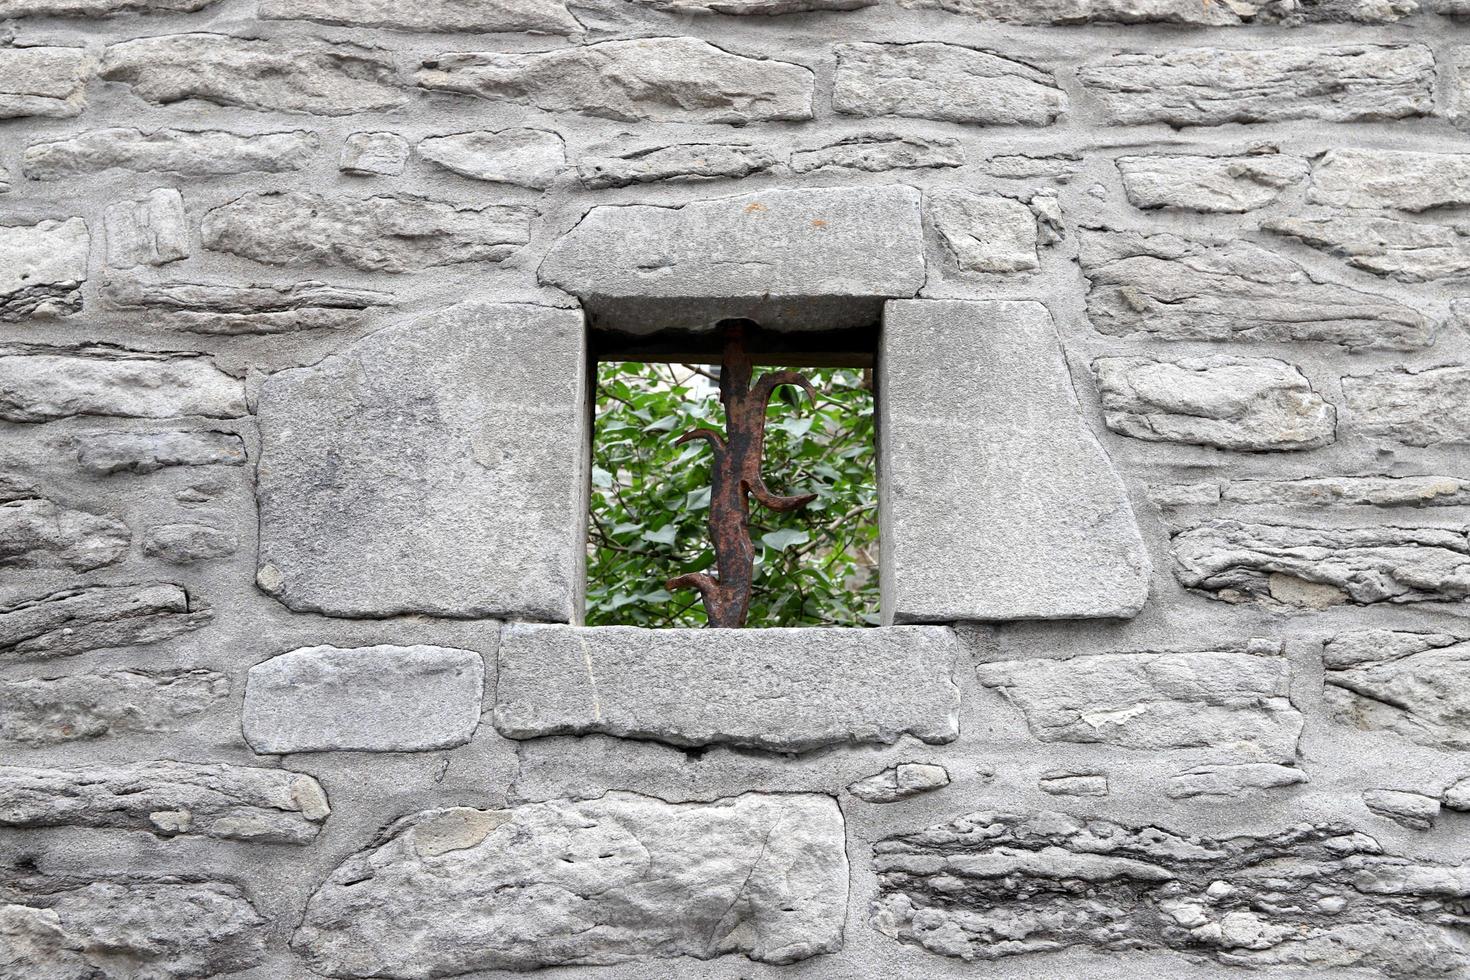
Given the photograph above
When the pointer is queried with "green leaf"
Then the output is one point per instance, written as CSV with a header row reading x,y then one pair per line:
x,y
664,535
697,499
785,538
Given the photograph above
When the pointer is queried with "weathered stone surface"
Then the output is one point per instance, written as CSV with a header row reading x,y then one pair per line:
x,y
168,798
477,16
210,308
1402,250
1176,288
1060,167
182,543
1024,518
1413,684
1247,404
97,617
1456,796
1234,703
1212,86
42,268
1413,810
877,152
1406,180
1213,185
42,81
106,453
455,444
758,7
1172,495
989,885
804,258
386,233
679,161
153,231
38,384
1417,408
40,533
1236,780
1067,12
524,157
1315,567
984,232
328,78
674,79
190,153
787,690
605,881
163,928
373,155
1336,491
369,699
931,80
98,8
51,710
900,782
1064,782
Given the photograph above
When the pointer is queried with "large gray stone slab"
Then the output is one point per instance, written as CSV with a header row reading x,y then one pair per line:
x,y
1353,177
368,699
98,617
800,259
102,927
612,880
168,798
1414,684
947,82
42,269
39,384
44,81
658,79
788,690
1184,86
1211,185
997,501
1234,704
190,153
1317,895
436,466
71,707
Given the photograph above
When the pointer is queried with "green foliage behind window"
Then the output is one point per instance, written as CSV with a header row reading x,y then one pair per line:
x,y
650,500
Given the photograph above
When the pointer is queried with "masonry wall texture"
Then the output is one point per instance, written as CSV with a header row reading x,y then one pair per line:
x,y
1172,303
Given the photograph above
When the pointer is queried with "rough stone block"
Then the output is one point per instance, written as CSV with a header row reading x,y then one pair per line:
x,y
947,82
106,453
524,157
451,446
42,81
997,501
373,155
39,533
161,928
1416,685
52,710
769,8
1409,251
676,161
1401,179
212,308
900,782
168,798
42,268
97,617
617,879
1347,491
1417,408
1232,781
1316,567
878,152
38,384
800,259
368,699
1065,782
1174,288
153,231
984,232
989,885
328,78
1234,704
481,17
1076,12
1413,810
1212,185
184,543
189,153
659,79
387,233
98,8
787,690
1213,86
1246,404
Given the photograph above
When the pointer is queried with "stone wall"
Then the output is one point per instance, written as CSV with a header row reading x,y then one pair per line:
x,y
1175,394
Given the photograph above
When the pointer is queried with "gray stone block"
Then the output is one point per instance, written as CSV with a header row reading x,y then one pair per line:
x,y
676,162
98,617
153,231
72,707
189,153
787,690
1416,685
214,308
997,501
38,384
40,533
481,16
801,259
1212,185
373,155
947,82
612,880
44,81
1408,251
1416,407
523,157
42,269
368,699
1407,181
106,453
436,466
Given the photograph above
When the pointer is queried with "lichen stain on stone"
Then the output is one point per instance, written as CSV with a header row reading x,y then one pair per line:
x,y
456,829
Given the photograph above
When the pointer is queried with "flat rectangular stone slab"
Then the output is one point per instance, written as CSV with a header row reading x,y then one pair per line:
x,y
997,502
788,690
369,699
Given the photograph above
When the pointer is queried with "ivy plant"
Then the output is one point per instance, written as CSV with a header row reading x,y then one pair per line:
x,y
650,499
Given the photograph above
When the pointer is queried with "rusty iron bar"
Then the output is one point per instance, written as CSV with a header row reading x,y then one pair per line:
x,y
735,476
